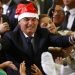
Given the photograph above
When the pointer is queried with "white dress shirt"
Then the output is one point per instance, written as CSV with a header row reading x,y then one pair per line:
x,y
71,17
27,35
5,7
67,70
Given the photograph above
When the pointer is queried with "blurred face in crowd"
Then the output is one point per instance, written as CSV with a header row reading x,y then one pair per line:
x,y
69,3
5,1
28,25
1,9
46,22
58,15
17,1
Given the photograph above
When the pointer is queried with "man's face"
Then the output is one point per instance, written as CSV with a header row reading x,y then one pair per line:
x,y
69,2
28,25
58,15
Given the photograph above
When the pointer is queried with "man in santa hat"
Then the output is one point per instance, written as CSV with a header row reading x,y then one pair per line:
x,y
28,41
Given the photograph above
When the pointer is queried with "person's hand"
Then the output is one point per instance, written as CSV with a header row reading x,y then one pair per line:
x,y
22,68
59,60
8,64
4,27
35,70
67,51
72,38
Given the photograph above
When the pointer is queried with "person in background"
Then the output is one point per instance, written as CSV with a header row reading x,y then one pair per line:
x,y
58,15
17,1
5,65
28,41
69,14
9,7
46,22
8,64
4,22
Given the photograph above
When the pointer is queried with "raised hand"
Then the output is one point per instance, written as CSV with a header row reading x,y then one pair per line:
x,y
35,70
22,68
59,60
4,26
8,64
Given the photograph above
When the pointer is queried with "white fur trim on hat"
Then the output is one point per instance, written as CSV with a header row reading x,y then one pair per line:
x,y
27,14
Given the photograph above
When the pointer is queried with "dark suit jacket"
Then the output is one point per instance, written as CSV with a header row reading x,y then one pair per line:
x,y
64,27
11,15
16,48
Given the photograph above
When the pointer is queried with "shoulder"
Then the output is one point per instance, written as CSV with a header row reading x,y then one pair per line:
x,y
12,34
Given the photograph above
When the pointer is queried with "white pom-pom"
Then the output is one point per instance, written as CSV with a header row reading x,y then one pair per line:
x,y
16,16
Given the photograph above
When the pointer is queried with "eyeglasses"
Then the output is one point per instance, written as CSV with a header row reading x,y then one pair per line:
x,y
59,12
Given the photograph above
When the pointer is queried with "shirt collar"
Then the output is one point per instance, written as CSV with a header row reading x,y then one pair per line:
x,y
27,35
66,8
72,11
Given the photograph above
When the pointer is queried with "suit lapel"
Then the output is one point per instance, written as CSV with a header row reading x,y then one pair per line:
x,y
73,25
25,45
35,43
38,42
10,8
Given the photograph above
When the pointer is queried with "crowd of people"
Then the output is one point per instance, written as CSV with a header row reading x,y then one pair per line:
x,y
30,40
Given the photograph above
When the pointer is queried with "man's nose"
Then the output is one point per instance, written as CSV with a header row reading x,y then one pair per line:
x,y
49,25
30,22
55,15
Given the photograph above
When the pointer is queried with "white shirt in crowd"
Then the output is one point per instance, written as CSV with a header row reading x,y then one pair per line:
x,y
71,17
48,65
5,7
51,68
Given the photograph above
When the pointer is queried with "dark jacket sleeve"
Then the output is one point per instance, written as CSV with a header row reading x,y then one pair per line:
x,y
59,41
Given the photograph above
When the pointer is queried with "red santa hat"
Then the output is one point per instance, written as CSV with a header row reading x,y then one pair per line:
x,y
26,10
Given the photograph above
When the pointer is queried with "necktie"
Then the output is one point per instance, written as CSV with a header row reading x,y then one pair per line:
x,y
30,49
66,18
30,46
29,42
64,24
